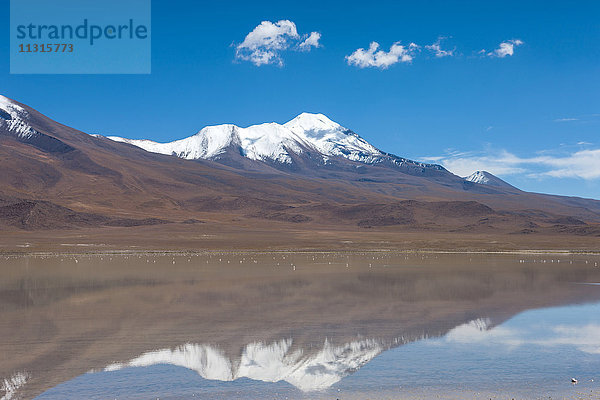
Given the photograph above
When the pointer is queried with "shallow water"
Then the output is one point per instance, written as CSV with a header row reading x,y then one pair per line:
x,y
303,325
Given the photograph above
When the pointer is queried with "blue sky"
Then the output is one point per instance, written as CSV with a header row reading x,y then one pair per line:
x,y
532,117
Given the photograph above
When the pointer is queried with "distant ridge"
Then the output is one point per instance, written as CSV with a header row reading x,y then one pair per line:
x,y
308,174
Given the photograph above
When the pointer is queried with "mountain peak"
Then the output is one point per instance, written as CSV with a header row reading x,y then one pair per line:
x,y
4,99
307,122
269,141
13,118
482,177
312,137
486,178
221,127
9,106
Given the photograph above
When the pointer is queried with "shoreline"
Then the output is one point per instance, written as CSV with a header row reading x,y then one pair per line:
x,y
182,253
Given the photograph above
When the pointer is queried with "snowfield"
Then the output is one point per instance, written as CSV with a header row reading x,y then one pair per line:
x,y
269,141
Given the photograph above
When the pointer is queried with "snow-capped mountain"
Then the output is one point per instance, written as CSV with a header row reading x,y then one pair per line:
x,y
308,136
485,178
306,370
13,119
18,122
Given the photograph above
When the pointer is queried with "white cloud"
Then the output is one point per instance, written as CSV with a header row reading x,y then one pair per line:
x,y
478,331
380,59
584,118
581,164
586,338
506,48
437,50
311,41
566,119
268,40
464,164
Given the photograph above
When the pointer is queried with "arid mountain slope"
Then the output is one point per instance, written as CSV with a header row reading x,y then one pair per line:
x,y
56,177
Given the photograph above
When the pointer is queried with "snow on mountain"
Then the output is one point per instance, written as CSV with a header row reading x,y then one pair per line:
x,y
10,386
269,141
258,142
13,118
478,177
267,362
8,106
485,178
332,139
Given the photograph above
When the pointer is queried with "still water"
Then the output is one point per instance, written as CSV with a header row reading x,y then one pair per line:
x,y
299,326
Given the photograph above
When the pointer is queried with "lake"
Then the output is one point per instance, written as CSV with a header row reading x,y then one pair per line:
x,y
328,325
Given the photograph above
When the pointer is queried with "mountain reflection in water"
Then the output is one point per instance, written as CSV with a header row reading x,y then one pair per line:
x,y
267,363
307,319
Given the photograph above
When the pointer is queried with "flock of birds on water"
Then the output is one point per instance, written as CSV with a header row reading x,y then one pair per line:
x,y
282,258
